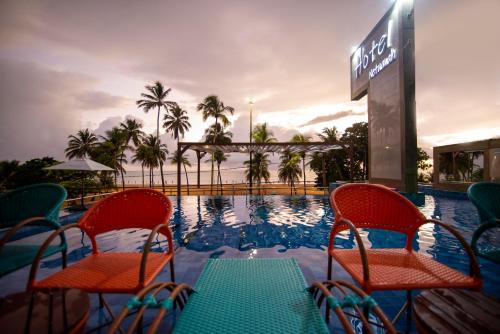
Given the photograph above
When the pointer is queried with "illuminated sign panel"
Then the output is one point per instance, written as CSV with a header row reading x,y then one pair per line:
x,y
378,50
364,59
384,70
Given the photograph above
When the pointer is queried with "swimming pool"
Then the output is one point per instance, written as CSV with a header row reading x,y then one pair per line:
x,y
276,226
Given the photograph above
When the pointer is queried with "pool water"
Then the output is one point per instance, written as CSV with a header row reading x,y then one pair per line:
x,y
275,226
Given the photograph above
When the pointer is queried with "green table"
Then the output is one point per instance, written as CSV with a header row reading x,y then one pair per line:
x,y
251,296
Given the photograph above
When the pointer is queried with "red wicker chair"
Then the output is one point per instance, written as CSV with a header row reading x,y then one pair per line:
x,y
378,207
114,272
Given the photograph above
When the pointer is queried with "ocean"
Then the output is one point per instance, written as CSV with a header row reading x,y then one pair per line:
x,y
229,176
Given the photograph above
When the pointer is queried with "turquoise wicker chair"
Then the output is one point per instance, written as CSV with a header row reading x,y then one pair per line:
x,y
34,205
486,198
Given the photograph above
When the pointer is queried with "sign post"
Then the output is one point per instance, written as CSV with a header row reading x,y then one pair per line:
x,y
383,67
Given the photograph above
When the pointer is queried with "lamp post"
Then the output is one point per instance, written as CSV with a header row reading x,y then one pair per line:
x,y
250,104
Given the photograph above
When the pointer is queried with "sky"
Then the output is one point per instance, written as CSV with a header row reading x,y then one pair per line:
x,y
68,65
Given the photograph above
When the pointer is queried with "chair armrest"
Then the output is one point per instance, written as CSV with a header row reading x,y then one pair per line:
x,y
325,294
42,221
492,223
353,297
147,248
362,249
474,270
146,298
43,248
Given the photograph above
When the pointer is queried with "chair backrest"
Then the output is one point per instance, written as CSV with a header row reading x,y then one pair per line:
x,y
375,206
37,200
486,198
134,208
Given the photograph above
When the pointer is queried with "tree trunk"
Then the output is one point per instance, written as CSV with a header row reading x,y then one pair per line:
x,y
123,179
142,169
219,178
187,180
198,157
158,125
212,168
151,179
304,173
121,169
162,179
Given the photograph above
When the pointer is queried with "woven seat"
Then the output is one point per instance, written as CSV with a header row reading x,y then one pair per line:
x,y
107,273
394,269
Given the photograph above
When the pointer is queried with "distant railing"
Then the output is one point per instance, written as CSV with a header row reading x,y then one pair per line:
x,y
268,188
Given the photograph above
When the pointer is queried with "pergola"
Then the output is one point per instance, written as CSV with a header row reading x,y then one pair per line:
x,y
245,147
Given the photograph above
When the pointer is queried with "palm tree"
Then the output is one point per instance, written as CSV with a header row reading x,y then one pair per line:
x,y
157,155
260,168
132,129
329,135
260,161
141,155
81,145
177,121
218,135
176,156
261,134
155,98
219,157
300,138
150,161
115,143
289,169
212,106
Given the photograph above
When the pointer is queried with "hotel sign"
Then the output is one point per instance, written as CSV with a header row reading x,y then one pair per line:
x,y
383,68
377,56
377,51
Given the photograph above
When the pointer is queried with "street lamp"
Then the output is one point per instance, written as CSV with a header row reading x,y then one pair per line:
x,y
250,104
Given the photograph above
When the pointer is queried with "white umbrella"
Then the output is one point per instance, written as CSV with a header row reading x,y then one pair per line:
x,y
85,165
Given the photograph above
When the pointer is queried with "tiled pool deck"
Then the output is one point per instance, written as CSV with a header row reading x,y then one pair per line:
x,y
274,227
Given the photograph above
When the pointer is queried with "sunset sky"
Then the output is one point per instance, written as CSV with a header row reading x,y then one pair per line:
x,y
67,65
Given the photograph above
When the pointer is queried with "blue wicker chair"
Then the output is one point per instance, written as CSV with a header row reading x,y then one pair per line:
x,y
486,198
33,205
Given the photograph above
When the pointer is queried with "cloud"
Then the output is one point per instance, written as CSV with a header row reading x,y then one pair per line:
x,y
38,109
108,124
235,49
333,117
95,100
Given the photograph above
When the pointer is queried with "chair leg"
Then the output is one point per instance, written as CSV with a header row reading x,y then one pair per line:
x,y
30,312
64,256
329,273
400,312
408,311
327,313
102,302
172,271
366,314
329,277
